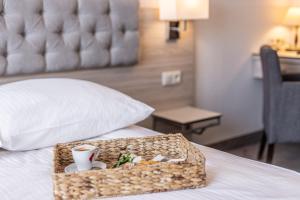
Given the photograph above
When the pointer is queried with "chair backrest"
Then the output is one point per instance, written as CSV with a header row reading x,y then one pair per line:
x,y
271,81
271,66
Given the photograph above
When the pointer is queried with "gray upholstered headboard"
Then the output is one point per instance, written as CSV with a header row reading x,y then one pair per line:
x,y
57,35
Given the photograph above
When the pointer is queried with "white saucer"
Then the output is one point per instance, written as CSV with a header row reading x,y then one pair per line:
x,y
96,165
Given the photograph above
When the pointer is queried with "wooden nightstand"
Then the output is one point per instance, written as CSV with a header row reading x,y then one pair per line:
x,y
188,119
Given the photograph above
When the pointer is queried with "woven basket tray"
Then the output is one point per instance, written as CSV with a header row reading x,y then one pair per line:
x,y
138,180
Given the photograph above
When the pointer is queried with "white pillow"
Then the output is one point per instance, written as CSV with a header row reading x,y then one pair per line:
x,y
43,112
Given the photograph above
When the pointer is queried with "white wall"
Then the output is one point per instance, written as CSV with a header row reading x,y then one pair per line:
x,y
149,3
224,44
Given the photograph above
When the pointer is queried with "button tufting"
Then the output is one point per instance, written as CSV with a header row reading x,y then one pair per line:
x,y
75,12
43,52
123,30
77,49
23,34
59,31
94,31
102,29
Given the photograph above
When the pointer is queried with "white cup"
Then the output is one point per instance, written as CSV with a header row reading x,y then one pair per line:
x,y
84,156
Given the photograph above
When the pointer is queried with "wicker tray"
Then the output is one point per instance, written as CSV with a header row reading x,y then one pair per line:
x,y
138,180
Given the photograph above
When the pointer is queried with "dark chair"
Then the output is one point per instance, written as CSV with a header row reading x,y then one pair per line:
x,y
281,112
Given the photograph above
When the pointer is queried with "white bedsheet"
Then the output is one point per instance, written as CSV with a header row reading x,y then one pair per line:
x,y
27,175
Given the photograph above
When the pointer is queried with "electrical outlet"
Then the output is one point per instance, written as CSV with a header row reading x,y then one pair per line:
x,y
171,78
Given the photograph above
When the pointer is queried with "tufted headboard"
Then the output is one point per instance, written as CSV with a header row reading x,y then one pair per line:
x,y
57,35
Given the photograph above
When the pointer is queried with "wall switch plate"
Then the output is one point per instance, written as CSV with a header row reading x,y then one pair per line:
x,y
171,78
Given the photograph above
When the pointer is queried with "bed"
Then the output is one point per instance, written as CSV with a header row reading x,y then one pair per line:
x,y
27,175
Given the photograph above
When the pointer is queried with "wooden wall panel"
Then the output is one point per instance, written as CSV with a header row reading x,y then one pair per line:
x,y
143,81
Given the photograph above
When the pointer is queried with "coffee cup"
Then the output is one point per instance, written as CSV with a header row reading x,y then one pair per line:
x,y
84,156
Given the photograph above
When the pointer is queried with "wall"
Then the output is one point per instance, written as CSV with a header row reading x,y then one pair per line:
x,y
143,81
224,45
149,3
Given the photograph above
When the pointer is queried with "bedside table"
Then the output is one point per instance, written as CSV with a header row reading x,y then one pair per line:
x,y
186,118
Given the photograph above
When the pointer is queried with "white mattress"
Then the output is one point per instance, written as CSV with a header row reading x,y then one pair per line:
x,y
27,175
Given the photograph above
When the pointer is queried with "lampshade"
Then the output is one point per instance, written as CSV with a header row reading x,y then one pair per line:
x,y
293,17
174,10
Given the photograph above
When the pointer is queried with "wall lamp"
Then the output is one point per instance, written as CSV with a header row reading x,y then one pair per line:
x,y
175,11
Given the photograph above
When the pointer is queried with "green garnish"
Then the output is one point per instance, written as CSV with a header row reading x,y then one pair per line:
x,y
123,159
